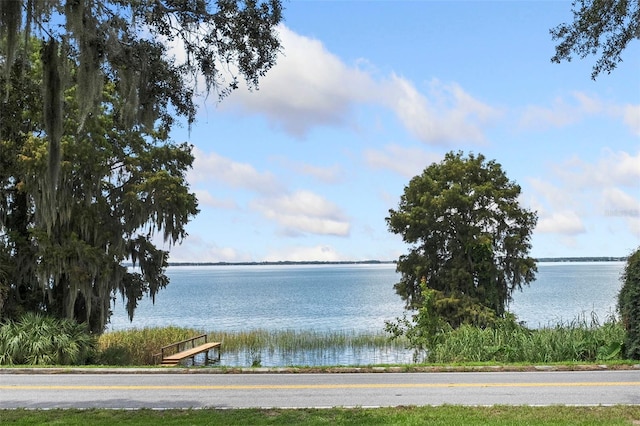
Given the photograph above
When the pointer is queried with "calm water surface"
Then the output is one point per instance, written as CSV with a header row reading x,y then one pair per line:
x,y
301,297
347,297
567,291
357,298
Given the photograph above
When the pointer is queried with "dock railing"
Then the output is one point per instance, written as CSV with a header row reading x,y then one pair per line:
x,y
178,347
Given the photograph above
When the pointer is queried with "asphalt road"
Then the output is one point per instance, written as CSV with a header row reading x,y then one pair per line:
x,y
161,390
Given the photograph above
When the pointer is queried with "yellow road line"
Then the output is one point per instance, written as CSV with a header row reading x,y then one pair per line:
x,y
312,386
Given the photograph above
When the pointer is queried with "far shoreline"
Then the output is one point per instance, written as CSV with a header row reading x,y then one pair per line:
x,y
384,262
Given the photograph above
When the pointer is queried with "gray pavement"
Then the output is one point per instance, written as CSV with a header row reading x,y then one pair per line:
x,y
162,389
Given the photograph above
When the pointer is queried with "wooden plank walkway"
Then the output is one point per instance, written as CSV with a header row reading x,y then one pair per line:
x,y
176,357
189,353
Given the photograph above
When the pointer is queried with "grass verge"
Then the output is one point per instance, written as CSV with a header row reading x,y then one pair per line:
x,y
441,415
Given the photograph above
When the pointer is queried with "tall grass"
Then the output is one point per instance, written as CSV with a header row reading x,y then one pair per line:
x,y
293,340
310,346
137,346
508,342
578,340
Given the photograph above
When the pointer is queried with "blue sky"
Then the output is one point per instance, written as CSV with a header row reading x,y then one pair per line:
x,y
366,94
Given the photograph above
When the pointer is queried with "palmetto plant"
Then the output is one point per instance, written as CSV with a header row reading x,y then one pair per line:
x,y
36,339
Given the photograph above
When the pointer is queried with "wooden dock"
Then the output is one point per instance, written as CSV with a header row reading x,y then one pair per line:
x,y
175,353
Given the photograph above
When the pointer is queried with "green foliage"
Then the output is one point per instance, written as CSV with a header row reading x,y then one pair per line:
x,y
598,27
88,176
138,346
509,342
124,41
426,326
629,305
115,189
39,340
470,239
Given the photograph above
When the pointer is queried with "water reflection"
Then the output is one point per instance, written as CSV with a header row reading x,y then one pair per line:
x,y
309,358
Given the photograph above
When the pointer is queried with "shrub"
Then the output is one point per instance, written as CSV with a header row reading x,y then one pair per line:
x,y
629,305
36,339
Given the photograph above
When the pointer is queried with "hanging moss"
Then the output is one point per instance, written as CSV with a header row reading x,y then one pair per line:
x,y
52,116
100,176
10,18
82,23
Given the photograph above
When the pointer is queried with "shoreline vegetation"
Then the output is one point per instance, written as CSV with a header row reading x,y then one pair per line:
x,y
384,262
583,340
599,342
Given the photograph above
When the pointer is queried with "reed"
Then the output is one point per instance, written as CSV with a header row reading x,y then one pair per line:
x,y
137,346
582,339
577,340
294,340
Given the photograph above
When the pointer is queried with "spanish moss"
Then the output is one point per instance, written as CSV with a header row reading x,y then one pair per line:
x,y
90,176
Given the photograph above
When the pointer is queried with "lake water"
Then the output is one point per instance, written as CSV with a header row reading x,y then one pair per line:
x,y
355,298
346,297
565,291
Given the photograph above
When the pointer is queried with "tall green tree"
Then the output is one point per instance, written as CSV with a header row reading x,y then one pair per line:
x,y
127,42
599,27
629,305
116,189
469,238
89,91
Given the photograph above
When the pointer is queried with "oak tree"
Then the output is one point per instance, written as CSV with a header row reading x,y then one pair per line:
x,y
599,27
469,238
89,91
116,189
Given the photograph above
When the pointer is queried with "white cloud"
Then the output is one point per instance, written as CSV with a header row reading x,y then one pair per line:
x,y
631,117
634,226
213,167
332,174
310,86
195,249
304,212
563,222
623,168
553,195
588,105
407,162
325,174
206,199
579,106
446,114
297,213
612,169
622,205
561,113
606,188
320,253
619,203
